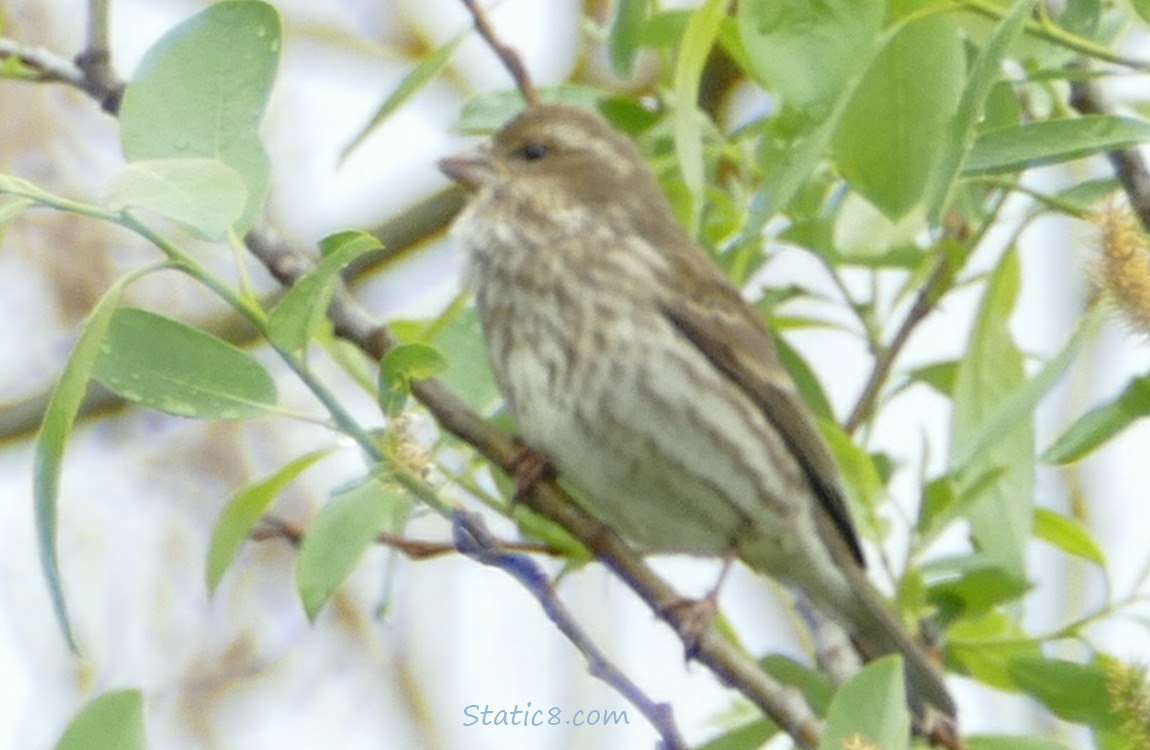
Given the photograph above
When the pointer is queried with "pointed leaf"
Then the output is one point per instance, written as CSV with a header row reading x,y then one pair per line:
x,y
1068,535
871,709
414,82
345,527
1052,141
987,376
969,114
243,511
59,417
113,721
1101,423
303,309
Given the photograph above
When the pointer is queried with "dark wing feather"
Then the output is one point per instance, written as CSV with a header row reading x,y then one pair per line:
x,y
728,332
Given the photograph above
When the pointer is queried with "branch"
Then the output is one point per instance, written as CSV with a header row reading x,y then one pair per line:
x,y
1087,98
923,304
507,55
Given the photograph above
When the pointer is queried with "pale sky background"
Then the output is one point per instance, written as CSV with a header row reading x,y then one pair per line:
x,y
142,490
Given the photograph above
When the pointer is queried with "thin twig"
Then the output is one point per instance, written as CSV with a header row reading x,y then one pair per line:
x,y
473,539
507,55
274,527
923,304
100,78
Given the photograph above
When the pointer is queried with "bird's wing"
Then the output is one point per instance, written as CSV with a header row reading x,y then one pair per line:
x,y
730,335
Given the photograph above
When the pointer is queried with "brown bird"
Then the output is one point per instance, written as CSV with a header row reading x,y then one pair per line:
x,y
633,366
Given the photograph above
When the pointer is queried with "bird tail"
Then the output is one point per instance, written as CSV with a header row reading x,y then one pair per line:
x,y
880,632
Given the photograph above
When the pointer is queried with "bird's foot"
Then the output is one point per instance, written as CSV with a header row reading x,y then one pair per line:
x,y
693,617
528,469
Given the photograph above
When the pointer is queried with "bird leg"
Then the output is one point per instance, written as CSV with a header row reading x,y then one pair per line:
x,y
528,468
692,617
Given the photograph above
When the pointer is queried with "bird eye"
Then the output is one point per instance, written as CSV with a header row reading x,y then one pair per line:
x,y
533,151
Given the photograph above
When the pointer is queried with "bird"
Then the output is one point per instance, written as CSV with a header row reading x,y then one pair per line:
x,y
637,370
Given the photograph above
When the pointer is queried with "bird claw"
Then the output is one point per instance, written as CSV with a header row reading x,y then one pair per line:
x,y
528,468
695,616
692,618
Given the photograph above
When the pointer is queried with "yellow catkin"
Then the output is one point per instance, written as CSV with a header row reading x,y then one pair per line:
x,y
1130,702
1123,271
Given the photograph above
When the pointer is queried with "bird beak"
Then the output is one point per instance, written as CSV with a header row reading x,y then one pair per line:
x,y
472,169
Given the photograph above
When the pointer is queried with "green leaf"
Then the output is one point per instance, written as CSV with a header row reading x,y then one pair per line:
x,y
626,34
817,689
303,309
971,108
59,417
169,366
750,736
988,375
1011,742
1101,423
1072,691
805,379
986,646
414,82
402,364
808,52
870,708
204,195
1020,404
980,587
469,372
887,145
940,376
695,47
202,89
861,478
113,721
243,511
1052,141
345,527
1068,535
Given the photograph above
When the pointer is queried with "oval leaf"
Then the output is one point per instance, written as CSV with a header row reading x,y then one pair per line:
x,y
204,195
783,37
1074,692
871,709
345,527
114,721
171,367
202,89
887,144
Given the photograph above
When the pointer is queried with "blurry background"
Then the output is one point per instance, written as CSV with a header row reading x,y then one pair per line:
x,y
397,657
